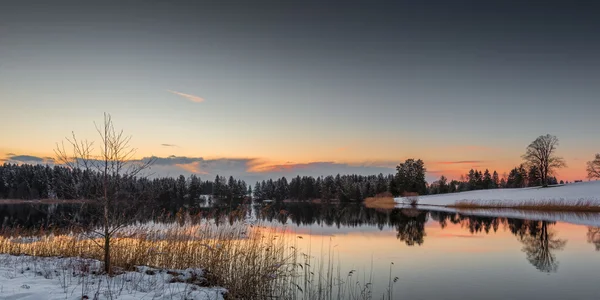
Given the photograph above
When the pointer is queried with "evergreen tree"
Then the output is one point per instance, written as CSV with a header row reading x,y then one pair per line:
x,y
411,176
487,180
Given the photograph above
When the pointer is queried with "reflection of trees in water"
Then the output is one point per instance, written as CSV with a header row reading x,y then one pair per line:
x,y
36,216
410,225
474,224
351,215
539,240
540,244
593,236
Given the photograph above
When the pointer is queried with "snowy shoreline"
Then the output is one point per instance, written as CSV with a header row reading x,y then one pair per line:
x,y
588,192
569,193
53,278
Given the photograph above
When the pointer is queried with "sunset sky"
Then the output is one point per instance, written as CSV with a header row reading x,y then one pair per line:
x,y
260,89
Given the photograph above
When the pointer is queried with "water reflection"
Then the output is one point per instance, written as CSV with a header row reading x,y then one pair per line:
x,y
539,239
410,225
593,236
540,244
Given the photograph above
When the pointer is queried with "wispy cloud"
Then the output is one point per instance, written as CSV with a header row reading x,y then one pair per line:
x,y
458,162
194,168
169,145
188,96
26,159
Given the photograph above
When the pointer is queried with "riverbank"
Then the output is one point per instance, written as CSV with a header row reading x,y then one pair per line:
x,y
579,197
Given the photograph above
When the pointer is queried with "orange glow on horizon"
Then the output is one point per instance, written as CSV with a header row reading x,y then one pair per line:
x,y
451,169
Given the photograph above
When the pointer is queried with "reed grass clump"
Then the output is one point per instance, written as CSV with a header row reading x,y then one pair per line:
x,y
243,258
381,201
250,260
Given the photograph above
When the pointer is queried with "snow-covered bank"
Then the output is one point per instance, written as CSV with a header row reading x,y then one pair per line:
x,y
570,193
587,219
34,278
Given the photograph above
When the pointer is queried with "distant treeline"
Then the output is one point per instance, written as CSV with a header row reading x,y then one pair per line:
x,y
58,182
44,182
518,177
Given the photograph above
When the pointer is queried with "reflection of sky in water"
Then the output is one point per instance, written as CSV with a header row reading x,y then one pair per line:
x,y
453,256
542,260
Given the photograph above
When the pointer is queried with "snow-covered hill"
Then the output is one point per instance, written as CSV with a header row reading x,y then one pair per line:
x,y
586,191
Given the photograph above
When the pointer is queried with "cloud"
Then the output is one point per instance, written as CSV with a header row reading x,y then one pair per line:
x,y
316,169
194,168
26,159
459,162
169,145
250,170
188,96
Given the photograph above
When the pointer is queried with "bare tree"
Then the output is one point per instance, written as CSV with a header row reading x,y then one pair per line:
x,y
593,167
540,153
114,162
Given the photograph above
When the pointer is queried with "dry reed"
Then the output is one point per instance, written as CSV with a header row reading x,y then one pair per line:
x,y
380,202
251,261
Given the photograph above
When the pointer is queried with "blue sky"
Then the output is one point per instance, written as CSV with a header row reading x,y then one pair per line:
x,y
306,83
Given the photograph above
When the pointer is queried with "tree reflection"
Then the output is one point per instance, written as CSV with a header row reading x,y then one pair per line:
x,y
410,225
539,244
593,236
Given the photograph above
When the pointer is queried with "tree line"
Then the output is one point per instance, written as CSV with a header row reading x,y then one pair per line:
x,y
30,182
62,182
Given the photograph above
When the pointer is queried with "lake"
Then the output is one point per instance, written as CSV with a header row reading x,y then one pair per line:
x,y
429,254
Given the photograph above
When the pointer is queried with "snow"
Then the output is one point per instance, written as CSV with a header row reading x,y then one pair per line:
x,y
587,219
582,191
53,278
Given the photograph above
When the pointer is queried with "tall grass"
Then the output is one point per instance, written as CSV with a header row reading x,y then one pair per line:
x,y
250,260
381,201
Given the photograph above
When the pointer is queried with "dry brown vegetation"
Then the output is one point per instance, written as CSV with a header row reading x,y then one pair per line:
x,y
247,261
579,206
381,201
250,260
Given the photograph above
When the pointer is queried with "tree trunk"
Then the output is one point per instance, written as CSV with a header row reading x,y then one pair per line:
x,y
107,267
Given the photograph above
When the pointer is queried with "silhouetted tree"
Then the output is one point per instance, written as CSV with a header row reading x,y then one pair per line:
x,y
410,176
113,163
541,153
593,167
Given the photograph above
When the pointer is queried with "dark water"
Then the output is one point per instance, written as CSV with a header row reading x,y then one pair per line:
x,y
435,255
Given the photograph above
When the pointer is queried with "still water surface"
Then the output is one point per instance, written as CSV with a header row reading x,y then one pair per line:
x,y
434,255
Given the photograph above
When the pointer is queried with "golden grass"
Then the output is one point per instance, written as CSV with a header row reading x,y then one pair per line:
x,y
380,202
249,261
548,206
